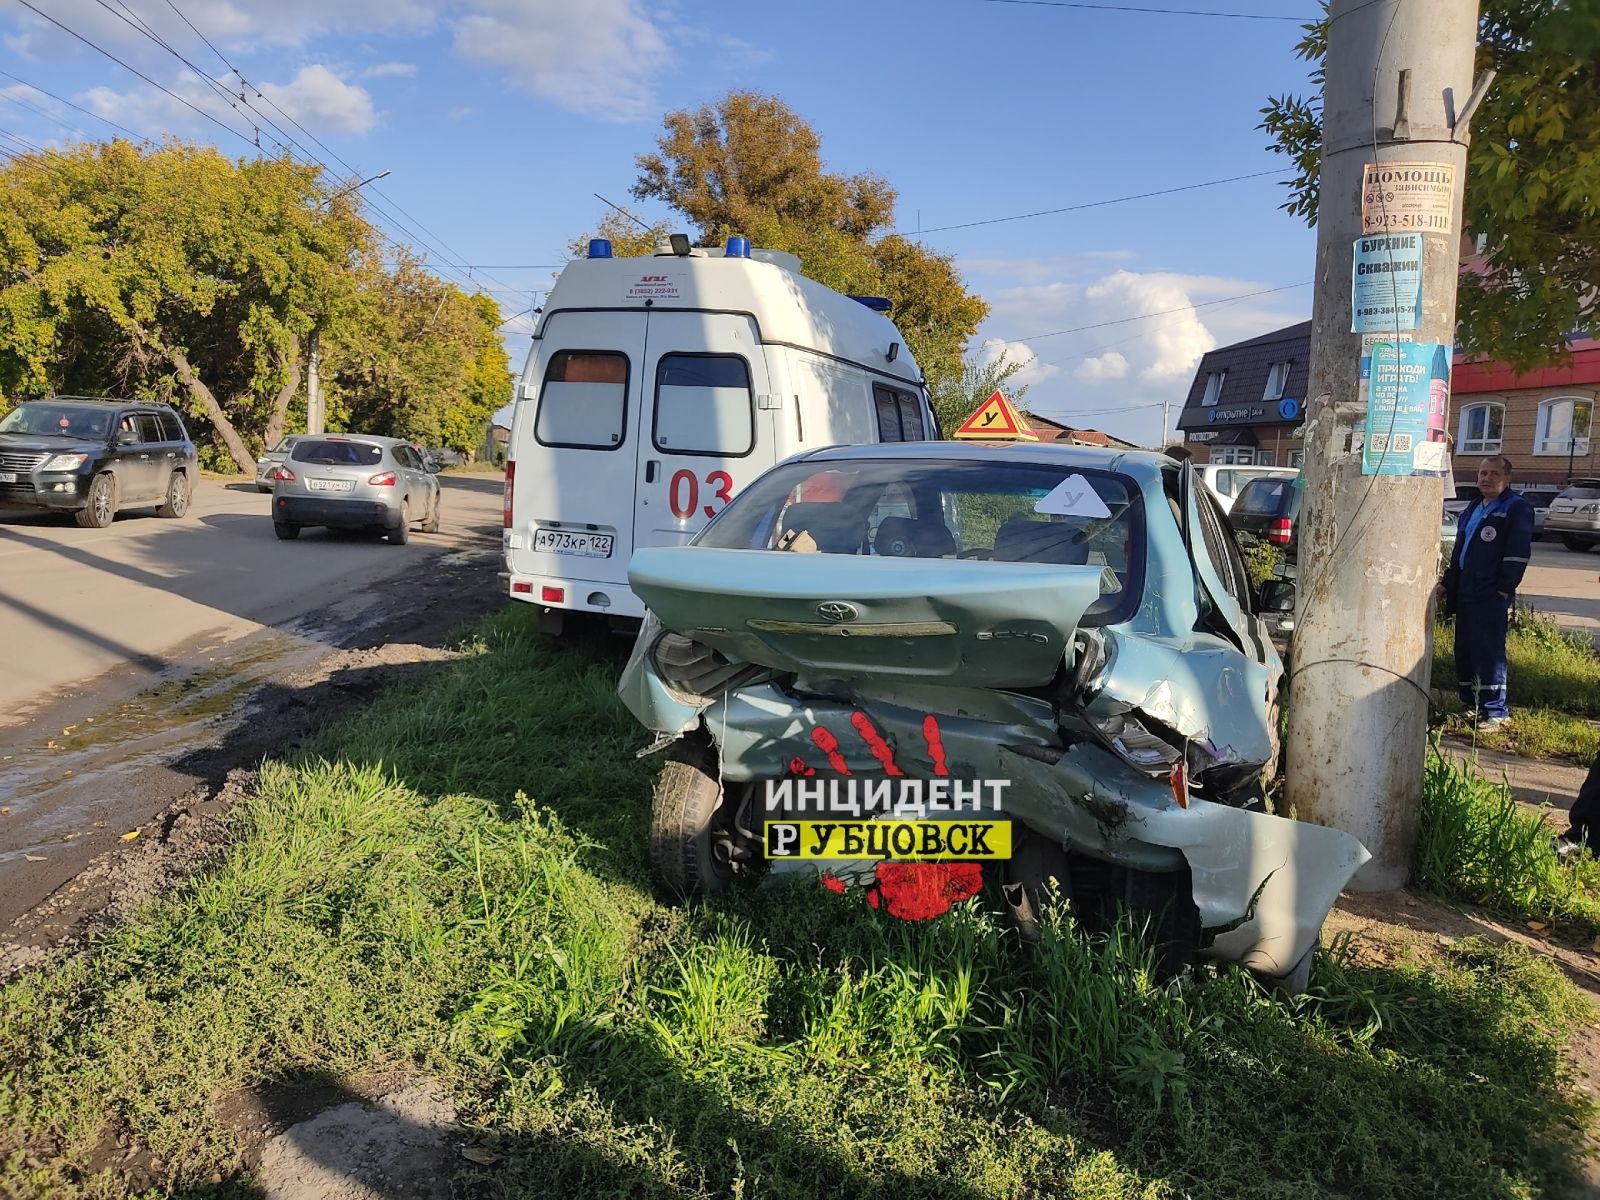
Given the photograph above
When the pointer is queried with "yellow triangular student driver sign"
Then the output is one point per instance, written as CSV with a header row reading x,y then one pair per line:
x,y
996,420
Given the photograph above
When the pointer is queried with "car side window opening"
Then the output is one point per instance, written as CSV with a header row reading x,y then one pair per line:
x,y
1224,554
171,427
704,405
128,426
149,428
583,402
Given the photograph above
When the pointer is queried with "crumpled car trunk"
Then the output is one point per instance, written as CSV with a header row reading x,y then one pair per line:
x,y
1006,625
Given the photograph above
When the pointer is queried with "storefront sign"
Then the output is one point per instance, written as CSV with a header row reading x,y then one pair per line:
x,y
1237,414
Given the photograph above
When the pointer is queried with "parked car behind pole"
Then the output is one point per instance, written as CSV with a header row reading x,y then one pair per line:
x,y
96,458
1574,515
267,465
352,481
1075,621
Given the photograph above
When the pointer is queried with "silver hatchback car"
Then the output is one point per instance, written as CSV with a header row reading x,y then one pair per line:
x,y
353,481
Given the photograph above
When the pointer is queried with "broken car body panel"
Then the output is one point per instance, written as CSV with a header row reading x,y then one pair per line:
x,y
1128,658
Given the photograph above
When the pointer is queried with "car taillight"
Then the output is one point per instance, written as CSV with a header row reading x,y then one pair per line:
x,y
511,475
382,479
552,595
1279,532
283,475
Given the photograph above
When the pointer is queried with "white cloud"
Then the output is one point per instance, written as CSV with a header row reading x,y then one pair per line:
x,y
1032,370
1112,347
238,26
390,70
1175,341
459,113
598,57
319,99
316,97
1109,365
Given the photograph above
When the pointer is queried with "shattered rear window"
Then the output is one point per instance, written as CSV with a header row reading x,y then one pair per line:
x,y
967,512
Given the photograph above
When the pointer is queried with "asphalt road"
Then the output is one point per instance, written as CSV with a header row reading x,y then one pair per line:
x,y
1565,583
78,603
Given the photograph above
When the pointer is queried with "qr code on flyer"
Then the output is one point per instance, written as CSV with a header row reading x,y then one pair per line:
x,y
1379,443
1401,443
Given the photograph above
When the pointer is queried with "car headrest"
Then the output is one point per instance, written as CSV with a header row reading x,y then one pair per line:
x,y
835,528
1024,540
902,537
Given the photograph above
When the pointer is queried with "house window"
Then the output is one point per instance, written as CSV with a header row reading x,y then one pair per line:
x,y
1297,459
1277,380
1563,426
1235,456
1480,429
1214,382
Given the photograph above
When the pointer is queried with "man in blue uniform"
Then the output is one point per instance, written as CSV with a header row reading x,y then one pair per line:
x,y
1494,542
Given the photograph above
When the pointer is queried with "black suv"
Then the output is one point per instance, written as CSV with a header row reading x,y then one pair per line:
x,y
94,457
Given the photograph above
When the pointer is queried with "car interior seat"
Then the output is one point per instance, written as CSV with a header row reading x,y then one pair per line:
x,y
836,528
902,537
1022,539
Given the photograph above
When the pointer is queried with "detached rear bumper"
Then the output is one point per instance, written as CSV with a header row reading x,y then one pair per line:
x,y
335,514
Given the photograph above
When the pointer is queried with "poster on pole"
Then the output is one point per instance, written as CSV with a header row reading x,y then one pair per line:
x,y
1401,196
1386,283
1408,391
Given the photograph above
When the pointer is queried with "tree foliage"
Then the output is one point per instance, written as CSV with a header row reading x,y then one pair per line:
x,y
175,273
1533,175
416,358
748,164
958,397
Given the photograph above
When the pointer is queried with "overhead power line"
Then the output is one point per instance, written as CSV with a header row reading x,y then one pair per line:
x,y
143,137
135,71
1050,212
287,144
1165,12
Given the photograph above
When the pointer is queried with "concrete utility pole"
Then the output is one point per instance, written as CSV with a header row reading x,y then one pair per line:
x,y
1399,90
316,417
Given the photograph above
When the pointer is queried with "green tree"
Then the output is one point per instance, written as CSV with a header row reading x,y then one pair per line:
x,y
416,357
173,273
957,397
1533,175
627,239
748,164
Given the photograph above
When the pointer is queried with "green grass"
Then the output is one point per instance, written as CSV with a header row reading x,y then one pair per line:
x,y
1553,680
454,885
1478,844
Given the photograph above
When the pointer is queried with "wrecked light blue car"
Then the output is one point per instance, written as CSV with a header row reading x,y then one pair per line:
x,y
1075,622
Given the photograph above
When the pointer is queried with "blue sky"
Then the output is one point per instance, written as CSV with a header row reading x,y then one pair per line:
x,y
498,119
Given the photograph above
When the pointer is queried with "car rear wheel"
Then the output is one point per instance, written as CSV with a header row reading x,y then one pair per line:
x,y
431,525
285,531
694,840
177,502
401,534
1581,545
101,509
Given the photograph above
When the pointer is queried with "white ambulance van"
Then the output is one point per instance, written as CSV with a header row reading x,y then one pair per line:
x,y
657,387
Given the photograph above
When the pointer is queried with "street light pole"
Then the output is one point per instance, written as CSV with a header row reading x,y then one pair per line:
x,y
316,412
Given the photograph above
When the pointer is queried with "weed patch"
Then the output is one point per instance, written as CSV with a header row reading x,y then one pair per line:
x,y
1478,844
455,885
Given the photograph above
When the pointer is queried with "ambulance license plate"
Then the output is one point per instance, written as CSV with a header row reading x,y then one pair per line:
x,y
559,541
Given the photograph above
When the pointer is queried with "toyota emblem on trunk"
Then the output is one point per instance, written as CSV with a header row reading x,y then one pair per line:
x,y
837,610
